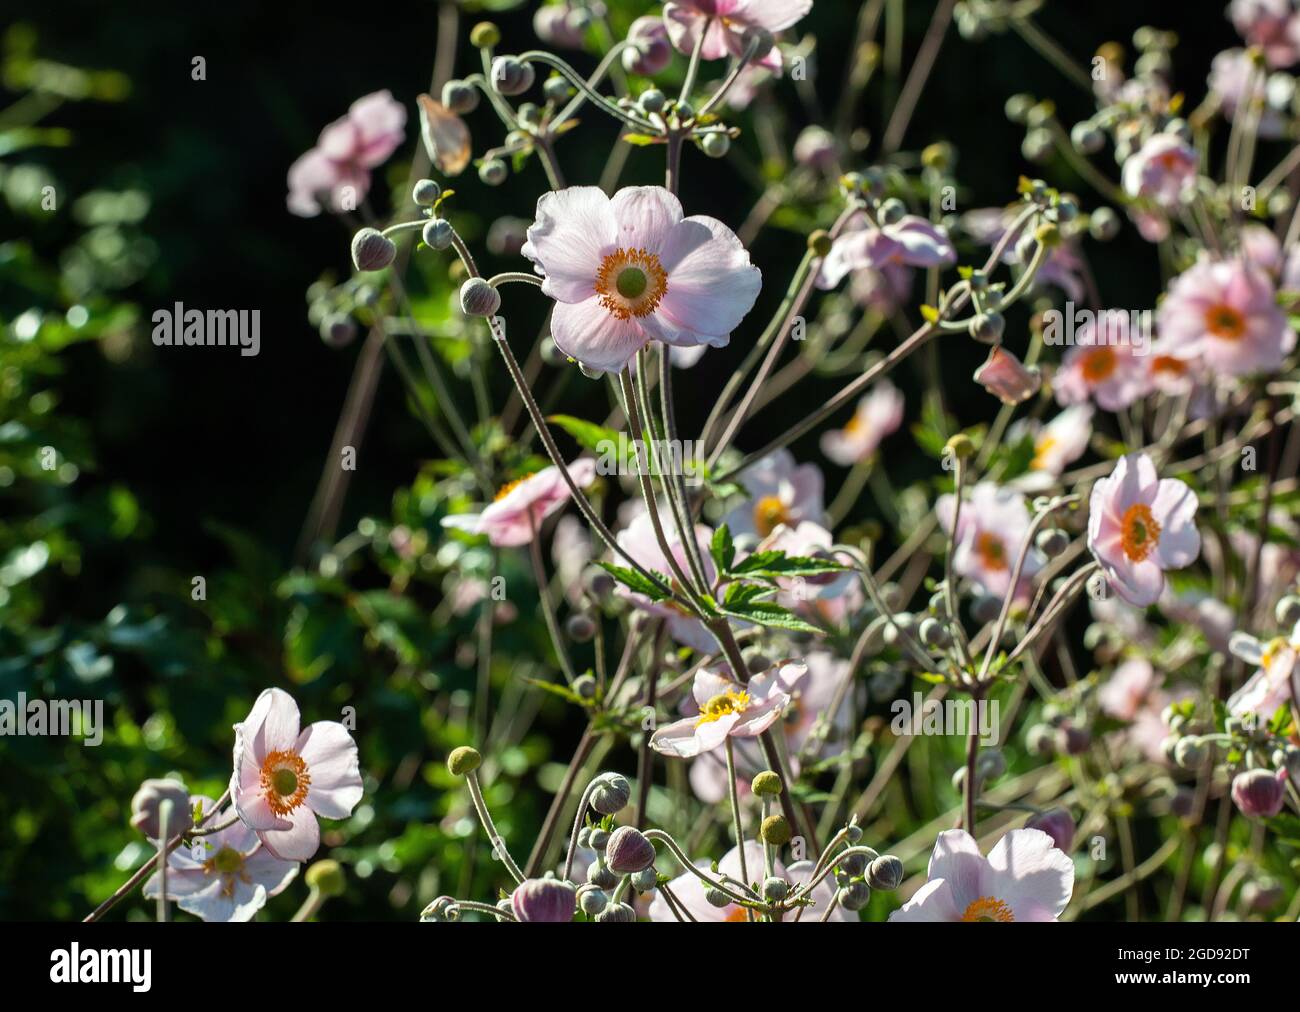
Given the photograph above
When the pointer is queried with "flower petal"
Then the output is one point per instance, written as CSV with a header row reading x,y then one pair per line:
x,y
574,230
331,758
594,336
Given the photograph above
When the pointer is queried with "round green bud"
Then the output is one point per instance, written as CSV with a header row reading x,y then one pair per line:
x,y
1190,753
484,35
775,830
580,628
599,875
1017,107
892,211
775,889
990,764
1052,542
653,100
885,873
478,298
425,192
685,111
616,912
938,156
460,97
855,896
854,866
493,172
585,686
610,793
592,900
1103,224
437,233
463,760
645,880
556,89
372,250
338,330
715,144
327,878
716,897
820,242
934,633
766,784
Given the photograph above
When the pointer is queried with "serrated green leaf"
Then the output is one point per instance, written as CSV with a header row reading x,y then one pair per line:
x,y
635,582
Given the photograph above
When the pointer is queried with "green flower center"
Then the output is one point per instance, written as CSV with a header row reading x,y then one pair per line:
x,y
631,282
228,861
285,781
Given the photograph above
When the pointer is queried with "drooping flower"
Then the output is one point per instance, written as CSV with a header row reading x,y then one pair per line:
x,y
725,24
338,167
1139,525
781,492
911,241
561,24
629,270
284,778
226,876
1224,313
990,533
1270,24
1024,878
728,709
544,900
690,890
649,50
1007,378
1270,686
638,539
521,506
879,413
1057,444
1163,171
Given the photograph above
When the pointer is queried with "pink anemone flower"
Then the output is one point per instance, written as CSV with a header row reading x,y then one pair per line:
x,y
689,889
878,414
228,876
1163,171
1270,24
781,492
1270,687
990,533
522,505
728,709
1225,313
340,163
1140,525
726,22
1106,364
631,269
284,778
909,242
1057,444
1024,878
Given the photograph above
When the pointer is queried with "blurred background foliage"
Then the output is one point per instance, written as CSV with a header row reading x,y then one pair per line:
x,y
170,463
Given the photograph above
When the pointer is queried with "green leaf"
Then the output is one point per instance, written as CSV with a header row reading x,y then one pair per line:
x,y
723,549
635,582
563,691
766,613
771,564
640,140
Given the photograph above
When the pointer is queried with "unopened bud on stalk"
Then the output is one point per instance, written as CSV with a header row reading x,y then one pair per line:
x,y
327,878
885,873
493,172
484,35
628,851
855,896
372,250
478,298
460,97
775,889
715,144
437,233
766,784
820,242
425,192
775,831
147,804
580,628
611,793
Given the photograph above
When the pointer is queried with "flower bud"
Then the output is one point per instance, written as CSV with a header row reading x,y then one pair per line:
x,y
1052,542
510,76
1259,793
460,97
1087,138
715,144
579,628
372,250
854,866
891,211
1073,740
338,330
715,897
775,889
855,896
653,100
610,793
463,760
766,784
649,50
599,875
592,900
960,446
437,233
478,298
327,878
493,172
1040,740
441,910
146,808
987,327
544,900
990,764
425,192
1190,753
1103,224
645,880
885,873
618,913
775,830
628,851
1057,824
1287,612
599,584
597,838
934,634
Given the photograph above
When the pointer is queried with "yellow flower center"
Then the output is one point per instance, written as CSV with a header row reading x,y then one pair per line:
x,y
988,908
284,781
631,282
991,550
1098,364
226,861
769,512
1140,531
1041,449
1224,322
722,704
1271,649
509,487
